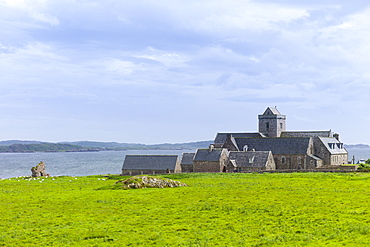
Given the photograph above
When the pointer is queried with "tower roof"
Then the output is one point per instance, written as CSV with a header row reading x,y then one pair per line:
x,y
271,111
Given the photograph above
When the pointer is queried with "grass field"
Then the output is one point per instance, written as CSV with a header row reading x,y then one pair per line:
x,y
298,209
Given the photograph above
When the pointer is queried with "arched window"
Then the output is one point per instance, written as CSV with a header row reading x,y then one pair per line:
x,y
283,159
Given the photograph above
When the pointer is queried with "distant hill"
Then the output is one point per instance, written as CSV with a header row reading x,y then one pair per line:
x,y
17,146
122,146
11,142
356,146
43,147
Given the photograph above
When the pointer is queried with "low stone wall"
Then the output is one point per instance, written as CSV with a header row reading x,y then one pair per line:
x,y
146,172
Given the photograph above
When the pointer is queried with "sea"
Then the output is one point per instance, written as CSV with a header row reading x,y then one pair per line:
x,y
93,163
71,163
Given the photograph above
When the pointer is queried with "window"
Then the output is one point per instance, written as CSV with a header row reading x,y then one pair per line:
x,y
283,160
267,126
281,125
299,160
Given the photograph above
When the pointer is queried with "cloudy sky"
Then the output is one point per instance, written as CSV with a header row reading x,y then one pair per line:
x,y
148,71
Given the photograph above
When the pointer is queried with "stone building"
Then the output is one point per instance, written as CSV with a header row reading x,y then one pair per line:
x,y
272,147
150,164
250,161
187,162
210,160
290,149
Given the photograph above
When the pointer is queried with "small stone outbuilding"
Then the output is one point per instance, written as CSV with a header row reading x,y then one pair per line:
x,y
187,162
150,164
210,160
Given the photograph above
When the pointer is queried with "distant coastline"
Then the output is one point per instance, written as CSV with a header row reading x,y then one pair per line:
x,y
18,146
356,146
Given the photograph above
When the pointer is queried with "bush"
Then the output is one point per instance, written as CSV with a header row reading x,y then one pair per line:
x,y
364,166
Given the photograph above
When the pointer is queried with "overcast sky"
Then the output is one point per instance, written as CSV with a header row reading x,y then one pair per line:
x,y
155,71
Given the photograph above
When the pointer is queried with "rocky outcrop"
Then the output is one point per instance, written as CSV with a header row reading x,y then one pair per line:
x,y
39,170
139,182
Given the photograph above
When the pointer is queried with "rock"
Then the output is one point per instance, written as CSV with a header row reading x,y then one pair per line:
x,y
139,182
39,170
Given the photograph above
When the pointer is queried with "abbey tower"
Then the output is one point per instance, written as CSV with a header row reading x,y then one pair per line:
x,y
271,122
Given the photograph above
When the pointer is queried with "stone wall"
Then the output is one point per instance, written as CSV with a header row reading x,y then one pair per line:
x,y
273,125
290,161
187,168
212,166
207,166
322,152
133,172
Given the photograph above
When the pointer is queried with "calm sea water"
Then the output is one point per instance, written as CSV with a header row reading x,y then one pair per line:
x,y
71,164
92,163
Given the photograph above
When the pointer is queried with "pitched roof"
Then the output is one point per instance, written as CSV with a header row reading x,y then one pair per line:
x,y
291,145
207,155
150,162
271,111
306,133
250,159
333,145
187,158
221,137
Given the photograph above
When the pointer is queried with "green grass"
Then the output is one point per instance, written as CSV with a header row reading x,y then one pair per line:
x,y
297,209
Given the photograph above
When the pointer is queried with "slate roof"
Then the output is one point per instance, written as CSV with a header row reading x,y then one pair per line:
x,y
249,159
221,137
291,145
187,158
150,162
333,145
306,134
207,155
314,157
272,110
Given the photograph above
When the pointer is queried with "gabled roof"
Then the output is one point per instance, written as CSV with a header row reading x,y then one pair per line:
x,y
291,145
250,159
187,158
271,111
150,162
306,133
221,137
333,145
208,155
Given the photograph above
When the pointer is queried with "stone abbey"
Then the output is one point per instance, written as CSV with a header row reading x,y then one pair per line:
x,y
271,148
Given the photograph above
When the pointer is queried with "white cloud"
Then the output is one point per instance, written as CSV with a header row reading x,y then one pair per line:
x,y
13,3
168,59
51,20
121,67
156,57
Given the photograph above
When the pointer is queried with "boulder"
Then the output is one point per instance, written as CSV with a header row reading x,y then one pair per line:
x,y
139,182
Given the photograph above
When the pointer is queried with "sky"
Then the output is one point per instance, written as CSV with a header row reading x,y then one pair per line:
x,y
174,71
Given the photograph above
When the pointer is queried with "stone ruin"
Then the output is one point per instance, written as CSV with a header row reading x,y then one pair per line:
x,y
39,170
140,182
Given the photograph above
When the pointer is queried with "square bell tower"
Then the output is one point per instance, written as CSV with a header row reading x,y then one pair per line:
x,y
271,122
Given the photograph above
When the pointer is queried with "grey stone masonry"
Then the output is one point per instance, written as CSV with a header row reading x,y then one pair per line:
x,y
271,122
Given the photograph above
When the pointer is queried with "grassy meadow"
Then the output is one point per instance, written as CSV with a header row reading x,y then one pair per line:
x,y
297,209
